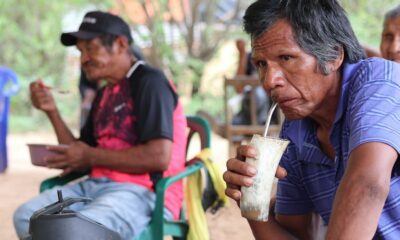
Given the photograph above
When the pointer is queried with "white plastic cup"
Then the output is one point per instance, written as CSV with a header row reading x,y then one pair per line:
x,y
254,203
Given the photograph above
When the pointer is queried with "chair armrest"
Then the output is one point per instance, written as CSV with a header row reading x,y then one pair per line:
x,y
58,181
162,185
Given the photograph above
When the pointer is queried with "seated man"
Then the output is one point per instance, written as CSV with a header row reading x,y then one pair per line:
x,y
390,41
134,136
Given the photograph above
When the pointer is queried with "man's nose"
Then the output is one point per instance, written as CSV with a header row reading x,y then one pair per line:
x,y
273,77
395,45
84,58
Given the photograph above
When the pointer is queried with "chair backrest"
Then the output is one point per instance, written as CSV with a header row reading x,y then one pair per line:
x,y
178,229
198,125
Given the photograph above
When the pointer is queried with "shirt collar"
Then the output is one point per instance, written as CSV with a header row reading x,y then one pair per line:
x,y
134,67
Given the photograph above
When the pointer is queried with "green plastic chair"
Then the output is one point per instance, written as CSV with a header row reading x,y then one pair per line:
x,y
160,227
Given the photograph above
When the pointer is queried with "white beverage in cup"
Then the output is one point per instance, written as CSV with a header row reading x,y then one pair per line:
x,y
254,203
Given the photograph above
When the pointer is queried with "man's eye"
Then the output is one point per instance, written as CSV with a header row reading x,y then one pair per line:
x,y
388,37
285,57
261,64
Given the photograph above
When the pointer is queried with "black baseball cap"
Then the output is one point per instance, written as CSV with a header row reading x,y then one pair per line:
x,y
95,24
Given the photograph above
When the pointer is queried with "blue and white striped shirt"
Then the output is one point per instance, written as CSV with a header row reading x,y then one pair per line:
x,y
368,111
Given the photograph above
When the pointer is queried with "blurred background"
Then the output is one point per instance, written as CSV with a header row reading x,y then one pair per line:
x,y
193,41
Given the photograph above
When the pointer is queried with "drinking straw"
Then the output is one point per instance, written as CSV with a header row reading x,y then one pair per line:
x,y
269,116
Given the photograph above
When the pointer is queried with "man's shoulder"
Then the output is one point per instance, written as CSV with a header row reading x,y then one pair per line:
x,y
370,71
148,71
376,68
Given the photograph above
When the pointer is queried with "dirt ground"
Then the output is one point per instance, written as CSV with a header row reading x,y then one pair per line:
x,y
21,180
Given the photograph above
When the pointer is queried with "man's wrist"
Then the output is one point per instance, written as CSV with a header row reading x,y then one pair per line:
x,y
52,113
88,154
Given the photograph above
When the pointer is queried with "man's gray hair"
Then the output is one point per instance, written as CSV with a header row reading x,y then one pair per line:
x,y
393,13
321,27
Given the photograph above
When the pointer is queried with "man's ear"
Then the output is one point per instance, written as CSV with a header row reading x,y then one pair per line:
x,y
334,65
121,44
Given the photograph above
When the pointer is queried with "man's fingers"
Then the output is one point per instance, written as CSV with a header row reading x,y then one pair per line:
x,y
233,193
281,172
56,161
66,172
238,174
57,149
240,167
239,180
34,85
245,151
248,151
37,85
236,187
57,165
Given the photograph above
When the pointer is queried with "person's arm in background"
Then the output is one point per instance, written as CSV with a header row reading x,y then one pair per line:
x,y
362,192
42,99
371,52
242,62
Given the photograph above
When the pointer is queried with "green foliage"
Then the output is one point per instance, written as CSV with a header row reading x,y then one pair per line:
x,y
190,71
212,104
29,44
29,36
183,47
366,17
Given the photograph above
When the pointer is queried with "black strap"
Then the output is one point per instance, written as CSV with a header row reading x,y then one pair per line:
x,y
155,177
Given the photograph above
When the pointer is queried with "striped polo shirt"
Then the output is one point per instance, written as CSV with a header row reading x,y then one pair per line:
x,y
368,111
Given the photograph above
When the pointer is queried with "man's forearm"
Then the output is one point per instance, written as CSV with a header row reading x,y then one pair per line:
x,y
153,156
64,135
356,210
362,192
